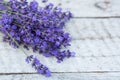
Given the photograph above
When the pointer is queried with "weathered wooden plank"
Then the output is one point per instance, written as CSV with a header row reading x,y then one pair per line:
x,y
91,8
64,76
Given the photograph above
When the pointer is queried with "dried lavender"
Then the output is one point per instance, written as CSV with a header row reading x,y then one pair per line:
x,y
38,27
40,68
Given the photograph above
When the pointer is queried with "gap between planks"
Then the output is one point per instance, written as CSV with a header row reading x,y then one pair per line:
x,y
62,72
63,76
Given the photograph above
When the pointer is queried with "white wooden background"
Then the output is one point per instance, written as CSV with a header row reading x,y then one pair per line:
x,y
95,29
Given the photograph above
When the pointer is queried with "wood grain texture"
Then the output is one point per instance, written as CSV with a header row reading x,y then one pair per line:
x,y
93,28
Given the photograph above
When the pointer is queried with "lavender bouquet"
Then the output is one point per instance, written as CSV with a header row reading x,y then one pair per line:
x,y
40,28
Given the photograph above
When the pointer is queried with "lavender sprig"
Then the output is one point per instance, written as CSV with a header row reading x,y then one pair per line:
x,y
40,68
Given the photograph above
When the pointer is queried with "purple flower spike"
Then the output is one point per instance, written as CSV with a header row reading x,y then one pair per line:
x,y
40,68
